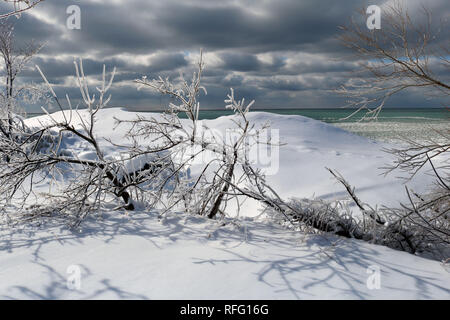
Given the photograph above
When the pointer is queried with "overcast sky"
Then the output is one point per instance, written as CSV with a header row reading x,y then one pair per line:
x,y
282,53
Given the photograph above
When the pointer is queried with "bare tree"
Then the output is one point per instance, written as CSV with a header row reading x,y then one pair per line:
x,y
154,174
209,192
18,7
403,54
37,154
15,60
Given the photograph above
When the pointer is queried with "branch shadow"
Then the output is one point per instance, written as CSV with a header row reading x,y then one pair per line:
x,y
315,267
310,272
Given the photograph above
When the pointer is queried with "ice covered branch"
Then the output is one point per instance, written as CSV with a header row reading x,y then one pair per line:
x,y
19,6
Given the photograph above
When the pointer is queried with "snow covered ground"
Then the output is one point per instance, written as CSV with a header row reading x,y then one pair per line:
x,y
181,257
142,256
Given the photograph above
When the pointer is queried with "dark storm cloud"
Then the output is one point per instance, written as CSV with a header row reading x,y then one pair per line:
x,y
306,83
166,61
240,62
283,53
274,25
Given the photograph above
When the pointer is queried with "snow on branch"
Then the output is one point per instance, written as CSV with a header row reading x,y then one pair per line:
x,y
19,6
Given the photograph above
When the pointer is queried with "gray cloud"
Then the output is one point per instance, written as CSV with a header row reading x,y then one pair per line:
x,y
283,53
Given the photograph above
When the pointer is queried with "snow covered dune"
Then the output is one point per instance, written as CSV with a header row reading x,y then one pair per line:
x,y
310,146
